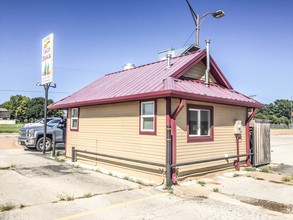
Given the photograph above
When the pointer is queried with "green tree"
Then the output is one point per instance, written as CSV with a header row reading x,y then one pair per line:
x,y
260,116
17,105
276,111
24,109
36,109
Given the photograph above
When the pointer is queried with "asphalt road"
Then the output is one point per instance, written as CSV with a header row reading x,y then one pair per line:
x,y
282,149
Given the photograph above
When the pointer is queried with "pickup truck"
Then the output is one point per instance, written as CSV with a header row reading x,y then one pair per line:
x,y
33,136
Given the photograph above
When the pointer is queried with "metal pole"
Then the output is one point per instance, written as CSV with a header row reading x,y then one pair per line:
x,y
46,87
238,153
291,113
73,154
168,156
54,144
197,31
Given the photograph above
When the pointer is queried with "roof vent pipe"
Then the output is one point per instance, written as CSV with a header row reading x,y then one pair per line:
x,y
169,56
208,41
128,66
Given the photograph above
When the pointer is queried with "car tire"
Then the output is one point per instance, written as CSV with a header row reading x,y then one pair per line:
x,y
31,147
40,144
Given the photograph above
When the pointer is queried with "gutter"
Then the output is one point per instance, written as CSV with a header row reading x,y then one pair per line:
x,y
171,123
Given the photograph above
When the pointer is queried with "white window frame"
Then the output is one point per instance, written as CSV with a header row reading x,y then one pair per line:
x,y
74,118
142,117
199,122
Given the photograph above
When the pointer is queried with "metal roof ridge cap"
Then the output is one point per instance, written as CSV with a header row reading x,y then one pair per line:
x,y
146,64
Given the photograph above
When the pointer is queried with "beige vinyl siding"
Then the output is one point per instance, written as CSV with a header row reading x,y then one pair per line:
x,y
113,129
224,138
198,72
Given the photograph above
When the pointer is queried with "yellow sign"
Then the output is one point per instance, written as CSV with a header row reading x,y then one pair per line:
x,y
47,59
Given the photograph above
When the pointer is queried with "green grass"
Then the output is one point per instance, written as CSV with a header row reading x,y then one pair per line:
x,y
12,166
250,169
287,178
58,159
6,207
202,183
215,190
10,128
22,206
88,195
264,169
65,197
236,175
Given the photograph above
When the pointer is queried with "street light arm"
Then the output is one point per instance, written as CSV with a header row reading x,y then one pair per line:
x,y
201,18
206,14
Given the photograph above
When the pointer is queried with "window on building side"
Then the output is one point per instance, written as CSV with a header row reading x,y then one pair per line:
x,y
199,123
74,118
147,117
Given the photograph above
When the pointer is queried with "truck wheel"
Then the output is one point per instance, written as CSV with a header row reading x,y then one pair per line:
x,y
31,147
41,142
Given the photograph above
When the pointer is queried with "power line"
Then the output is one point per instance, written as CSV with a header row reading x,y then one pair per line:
x,y
189,38
10,90
55,67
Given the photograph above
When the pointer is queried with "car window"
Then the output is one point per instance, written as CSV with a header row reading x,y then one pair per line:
x,y
53,122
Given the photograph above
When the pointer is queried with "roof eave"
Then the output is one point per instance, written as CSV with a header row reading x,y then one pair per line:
x,y
218,100
136,97
159,94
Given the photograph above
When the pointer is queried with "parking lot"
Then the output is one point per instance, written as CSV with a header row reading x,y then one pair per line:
x,y
38,187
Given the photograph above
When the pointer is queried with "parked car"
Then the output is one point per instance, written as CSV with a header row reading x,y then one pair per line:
x,y
33,136
37,122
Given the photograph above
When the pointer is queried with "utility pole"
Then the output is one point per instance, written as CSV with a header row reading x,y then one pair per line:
x,y
291,113
198,19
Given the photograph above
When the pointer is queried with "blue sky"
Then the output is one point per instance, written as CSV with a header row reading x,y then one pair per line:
x,y
252,44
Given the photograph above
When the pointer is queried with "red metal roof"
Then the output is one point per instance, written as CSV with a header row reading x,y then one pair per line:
x,y
155,80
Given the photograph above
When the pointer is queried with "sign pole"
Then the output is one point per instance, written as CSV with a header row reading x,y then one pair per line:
x,y
46,87
47,77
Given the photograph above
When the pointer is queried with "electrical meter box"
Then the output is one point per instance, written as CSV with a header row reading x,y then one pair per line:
x,y
237,127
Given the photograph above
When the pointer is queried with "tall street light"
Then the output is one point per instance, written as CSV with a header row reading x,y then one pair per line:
x,y
199,19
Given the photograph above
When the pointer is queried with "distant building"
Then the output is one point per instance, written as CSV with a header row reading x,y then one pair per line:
x,y
4,114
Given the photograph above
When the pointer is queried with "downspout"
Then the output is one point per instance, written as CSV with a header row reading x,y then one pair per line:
x,y
248,151
208,41
168,143
173,133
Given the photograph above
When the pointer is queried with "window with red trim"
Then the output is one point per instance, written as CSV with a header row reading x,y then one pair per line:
x,y
200,123
74,119
148,117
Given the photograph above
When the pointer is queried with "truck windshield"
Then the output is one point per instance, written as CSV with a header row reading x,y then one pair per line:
x,y
53,122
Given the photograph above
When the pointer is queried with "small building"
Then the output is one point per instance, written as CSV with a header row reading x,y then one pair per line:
x,y
162,118
4,114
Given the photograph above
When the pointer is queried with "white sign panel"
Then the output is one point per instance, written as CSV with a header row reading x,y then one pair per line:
x,y
47,59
